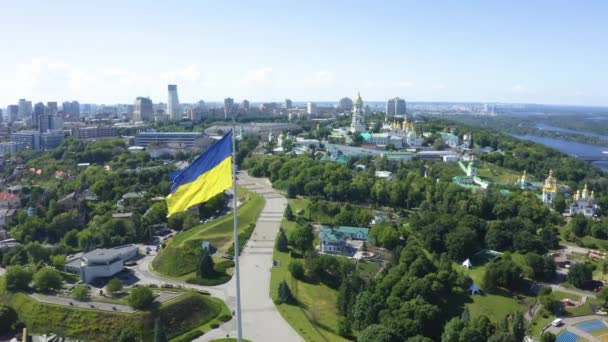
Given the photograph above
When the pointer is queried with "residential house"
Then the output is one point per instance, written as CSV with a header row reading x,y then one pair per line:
x,y
335,240
9,200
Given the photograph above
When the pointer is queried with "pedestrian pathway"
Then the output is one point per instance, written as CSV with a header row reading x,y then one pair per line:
x,y
261,319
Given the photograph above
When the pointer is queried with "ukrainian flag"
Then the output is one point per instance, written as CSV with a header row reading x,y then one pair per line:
x,y
208,175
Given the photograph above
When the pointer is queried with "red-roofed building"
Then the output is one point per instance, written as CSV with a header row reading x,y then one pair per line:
x,y
8,200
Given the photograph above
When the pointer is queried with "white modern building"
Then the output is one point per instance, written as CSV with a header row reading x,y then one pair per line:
x,y
100,263
173,108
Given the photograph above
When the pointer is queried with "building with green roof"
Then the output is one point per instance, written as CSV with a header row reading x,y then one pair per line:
x,y
334,239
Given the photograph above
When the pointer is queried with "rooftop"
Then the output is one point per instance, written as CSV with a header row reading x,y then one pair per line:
x,y
7,196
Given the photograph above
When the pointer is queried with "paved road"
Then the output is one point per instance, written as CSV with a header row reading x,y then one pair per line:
x,y
261,320
575,249
83,305
581,293
568,323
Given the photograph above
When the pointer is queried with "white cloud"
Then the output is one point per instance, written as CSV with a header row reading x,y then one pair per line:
x,y
520,89
190,73
258,77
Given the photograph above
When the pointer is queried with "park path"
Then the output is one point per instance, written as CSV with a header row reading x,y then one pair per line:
x,y
261,319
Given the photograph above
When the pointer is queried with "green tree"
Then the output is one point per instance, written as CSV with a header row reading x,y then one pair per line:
x,y
140,298
114,286
285,295
48,279
8,317
378,333
291,191
282,241
579,274
58,261
17,278
205,268
81,292
296,268
128,335
301,238
603,295
518,327
159,332
289,213
547,337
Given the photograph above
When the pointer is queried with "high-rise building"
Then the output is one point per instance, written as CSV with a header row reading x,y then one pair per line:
x,y
37,113
358,121
228,107
51,108
48,123
143,110
246,105
396,107
12,113
311,108
288,104
173,108
24,109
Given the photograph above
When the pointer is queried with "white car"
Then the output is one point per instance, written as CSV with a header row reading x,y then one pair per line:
x,y
557,322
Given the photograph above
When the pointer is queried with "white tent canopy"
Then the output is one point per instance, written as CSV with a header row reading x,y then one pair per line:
x,y
467,263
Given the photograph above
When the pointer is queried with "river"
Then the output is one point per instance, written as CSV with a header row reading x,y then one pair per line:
x,y
572,148
544,127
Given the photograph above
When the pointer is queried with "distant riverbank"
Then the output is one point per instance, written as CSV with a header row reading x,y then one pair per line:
x,y
572,148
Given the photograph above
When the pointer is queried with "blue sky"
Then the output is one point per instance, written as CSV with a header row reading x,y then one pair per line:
x,y
112,51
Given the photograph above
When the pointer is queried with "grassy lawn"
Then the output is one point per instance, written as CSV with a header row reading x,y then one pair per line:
x,y
179,257
539,322
497,174
563,295
316,319
229,340
495,307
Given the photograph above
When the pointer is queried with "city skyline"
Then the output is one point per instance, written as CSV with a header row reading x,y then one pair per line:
x,y
518,52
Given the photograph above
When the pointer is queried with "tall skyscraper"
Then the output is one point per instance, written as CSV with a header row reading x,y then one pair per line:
x,y
246,105
49,122
396,106
143,110
288,104
173,108
51,108
311,108
24,109
228,107
12,113
37,113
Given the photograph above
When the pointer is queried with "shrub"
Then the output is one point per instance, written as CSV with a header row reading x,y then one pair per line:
x,y
140,298
113,286
81,292
297,269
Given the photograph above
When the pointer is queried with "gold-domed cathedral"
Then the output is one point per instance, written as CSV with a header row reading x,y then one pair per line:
x,y
549,189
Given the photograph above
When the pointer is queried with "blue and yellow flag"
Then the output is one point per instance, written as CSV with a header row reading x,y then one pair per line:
x,y
208,175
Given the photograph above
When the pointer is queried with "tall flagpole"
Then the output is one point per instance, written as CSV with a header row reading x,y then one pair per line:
x,y
236,235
